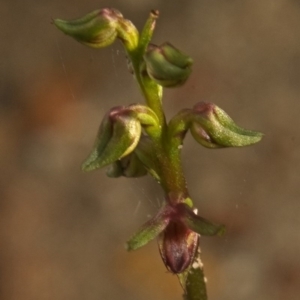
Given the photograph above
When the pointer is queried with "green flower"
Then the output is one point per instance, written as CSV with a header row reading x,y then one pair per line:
x,y
119,134
211,127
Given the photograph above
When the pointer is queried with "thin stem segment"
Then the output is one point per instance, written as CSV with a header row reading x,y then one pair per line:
x,y
171,174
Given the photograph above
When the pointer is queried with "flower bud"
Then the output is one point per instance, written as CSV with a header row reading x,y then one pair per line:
x,y
166,65
118,135
213,128
96,29
100,28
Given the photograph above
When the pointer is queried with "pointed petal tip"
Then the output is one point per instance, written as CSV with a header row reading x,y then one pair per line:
x,y
132,245
128,247
60,24
221,231
88,166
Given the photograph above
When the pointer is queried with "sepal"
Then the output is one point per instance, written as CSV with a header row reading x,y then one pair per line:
x,y
199,224
149,231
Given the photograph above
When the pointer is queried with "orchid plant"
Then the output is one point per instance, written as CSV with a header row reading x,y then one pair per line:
x,y
136,140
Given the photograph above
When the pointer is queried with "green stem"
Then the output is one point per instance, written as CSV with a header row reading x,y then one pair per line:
x,y
168,154
151,91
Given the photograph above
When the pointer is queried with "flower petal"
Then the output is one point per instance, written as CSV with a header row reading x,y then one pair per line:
x,y
201,225
149,230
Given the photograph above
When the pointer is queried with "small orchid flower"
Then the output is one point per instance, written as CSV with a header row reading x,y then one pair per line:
x,y
178,228
119,134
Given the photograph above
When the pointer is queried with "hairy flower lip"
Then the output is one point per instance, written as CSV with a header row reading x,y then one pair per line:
x,y
176,255
178,242
177,245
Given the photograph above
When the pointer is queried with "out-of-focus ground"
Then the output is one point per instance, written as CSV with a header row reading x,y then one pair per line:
x,y
62,231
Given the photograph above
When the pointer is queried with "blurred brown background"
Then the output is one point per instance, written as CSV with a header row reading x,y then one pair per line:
x,y
62,231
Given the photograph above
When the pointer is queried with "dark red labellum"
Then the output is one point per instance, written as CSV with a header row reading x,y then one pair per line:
x,y
178,246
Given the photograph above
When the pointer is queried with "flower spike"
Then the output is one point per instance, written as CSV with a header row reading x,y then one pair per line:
x,y
136,140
